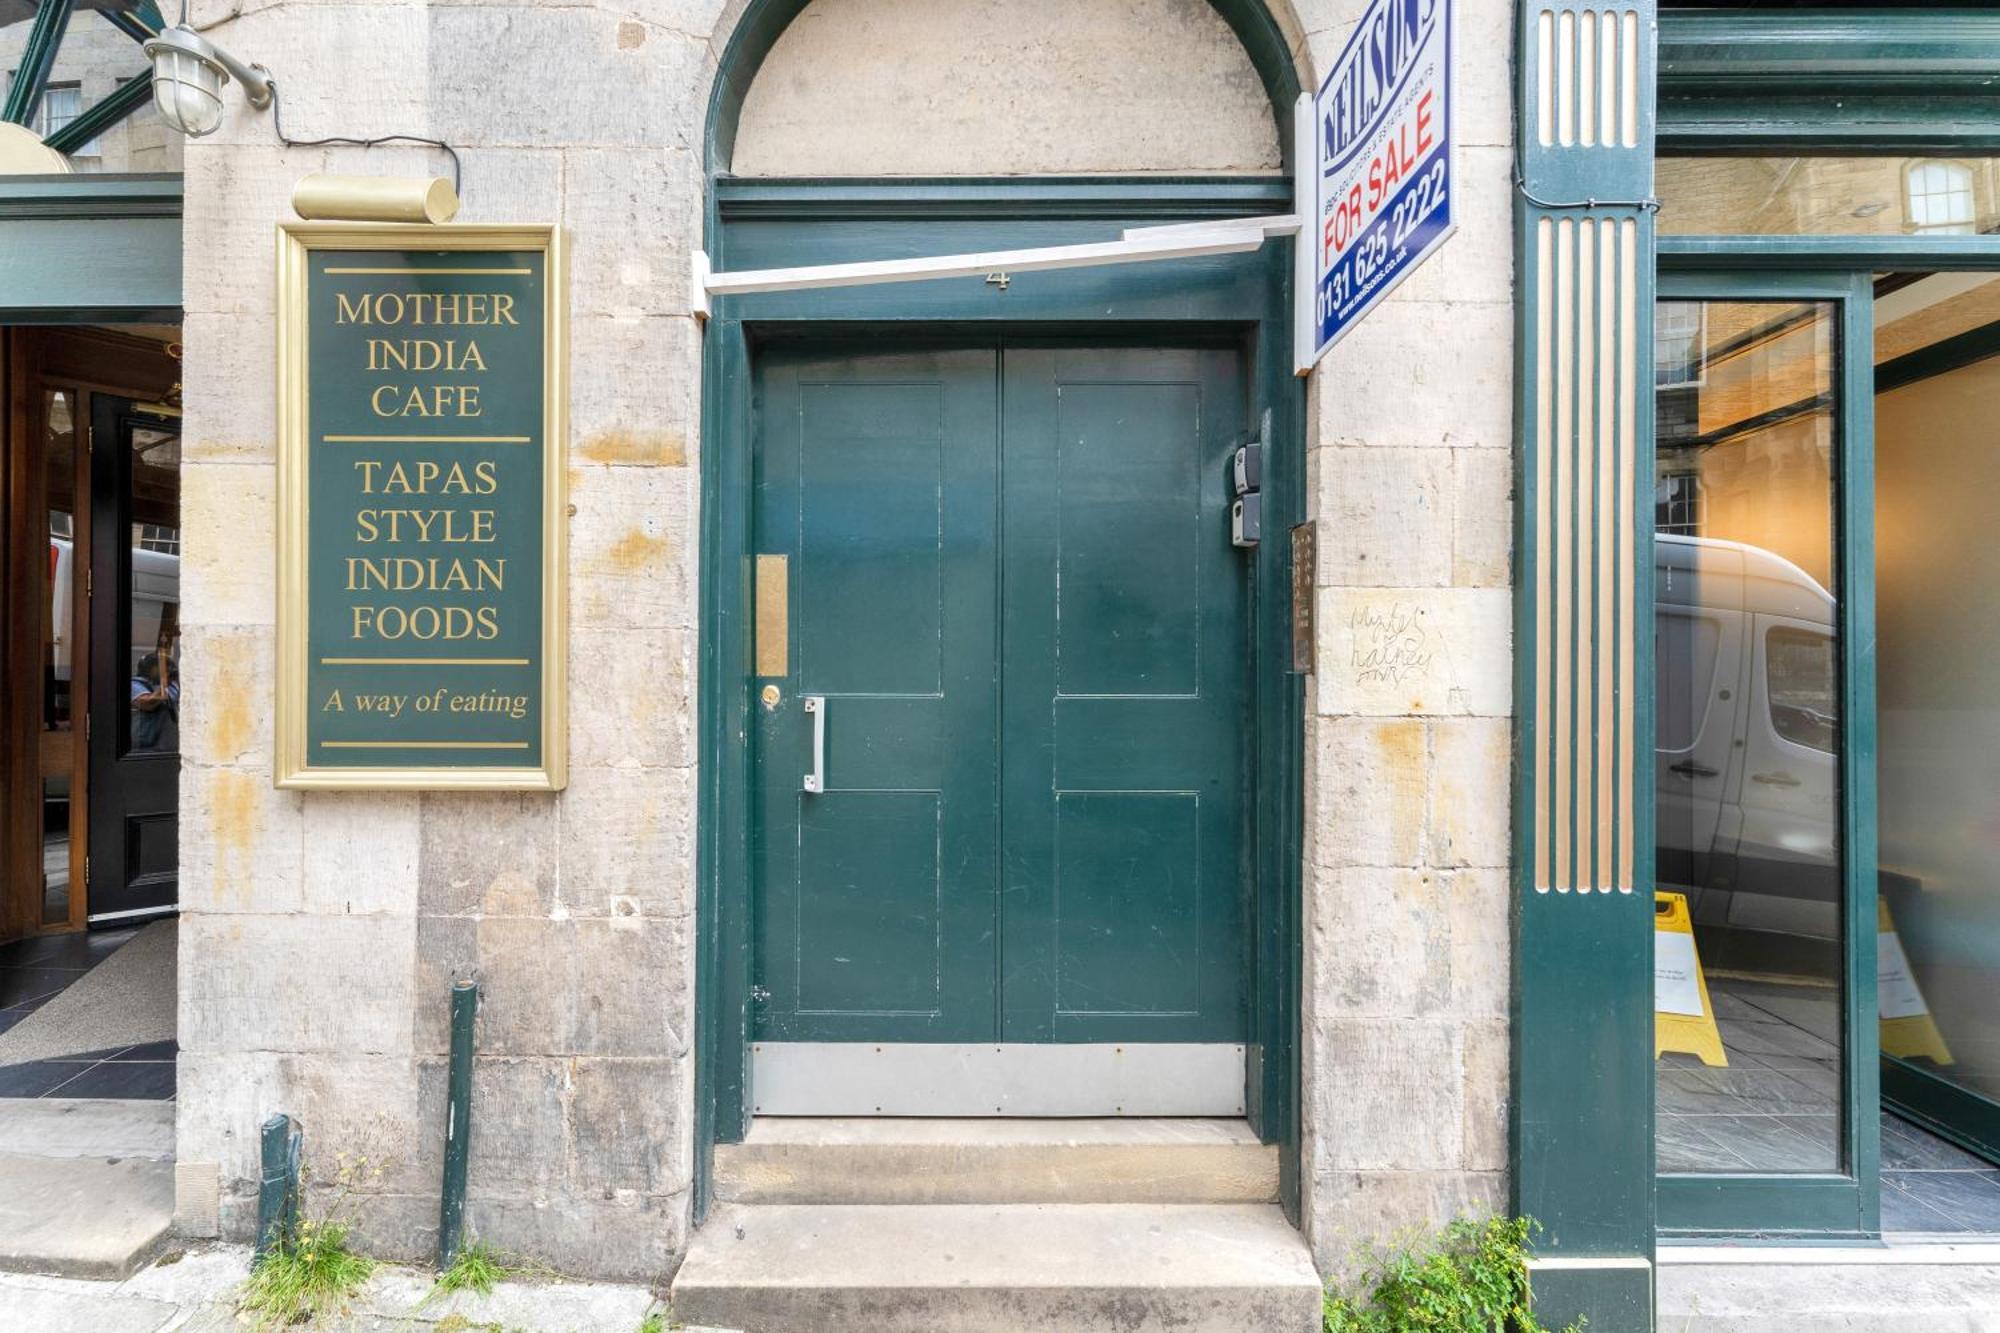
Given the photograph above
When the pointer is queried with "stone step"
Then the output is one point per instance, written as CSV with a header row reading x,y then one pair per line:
x,y
987,1268
915,1161
86,1187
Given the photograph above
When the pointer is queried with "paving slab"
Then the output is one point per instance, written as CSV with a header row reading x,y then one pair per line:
x,y
96,1217
1889,1297
84,1127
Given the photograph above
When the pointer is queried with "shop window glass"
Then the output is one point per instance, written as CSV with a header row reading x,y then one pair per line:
x,y
61,610
1937,464
1807,196
1747,776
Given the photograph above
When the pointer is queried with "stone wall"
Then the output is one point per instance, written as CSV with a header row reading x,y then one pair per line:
x,y
321,931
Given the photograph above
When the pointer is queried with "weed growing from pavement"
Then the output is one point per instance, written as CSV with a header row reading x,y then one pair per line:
x,y
655,1322
1471,1278
311,1277
476,1269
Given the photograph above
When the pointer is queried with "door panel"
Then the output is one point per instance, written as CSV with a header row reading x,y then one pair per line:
x,y
875,478
1126,697
135,661
1010,580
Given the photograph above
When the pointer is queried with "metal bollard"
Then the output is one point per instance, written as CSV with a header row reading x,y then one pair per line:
x,y
458,1124
278,1187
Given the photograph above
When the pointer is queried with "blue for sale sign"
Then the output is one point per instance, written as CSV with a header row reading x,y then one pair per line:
x,y
1381,182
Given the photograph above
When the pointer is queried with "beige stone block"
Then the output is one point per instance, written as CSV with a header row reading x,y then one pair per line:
x,y
1385,517
1414,651
381,86
1350,1211
633,988
1480,905
360,1112
1370,776
241,842
487,853
634,216
633,395
628,1126
236,195
626,1236
1471,792
510,185
1389,1096
1422,374
1382,944
301,984
518,1134
628,842
1482,518
1143,85
361,852
632,697
633,536
227,694
229,543
1488,1065
229,389
550,76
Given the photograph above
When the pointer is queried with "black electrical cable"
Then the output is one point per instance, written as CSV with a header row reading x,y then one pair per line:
x,y
278,124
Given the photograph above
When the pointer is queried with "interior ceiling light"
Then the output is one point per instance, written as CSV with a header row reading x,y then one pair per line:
x,y
188,74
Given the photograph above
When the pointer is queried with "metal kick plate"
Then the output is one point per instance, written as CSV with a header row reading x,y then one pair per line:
x,y
996,1078
774,621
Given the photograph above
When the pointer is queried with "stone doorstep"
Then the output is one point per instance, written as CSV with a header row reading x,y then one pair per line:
x,y
80,1127
807,1160
87,1217
1864,1295
970,1268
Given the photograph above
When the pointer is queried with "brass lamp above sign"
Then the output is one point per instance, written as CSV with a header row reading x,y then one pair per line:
x,y
421,507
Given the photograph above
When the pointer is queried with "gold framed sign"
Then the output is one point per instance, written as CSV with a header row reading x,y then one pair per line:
x,y
422,507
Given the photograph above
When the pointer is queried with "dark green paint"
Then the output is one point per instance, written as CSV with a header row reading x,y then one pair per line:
x,y
88,249
343,396
38,57
1844,1204
279,1141
1947,1109
1033,827
458,1123
1125,647
1938,358
127,98
1244,299
1581,1129
1880,79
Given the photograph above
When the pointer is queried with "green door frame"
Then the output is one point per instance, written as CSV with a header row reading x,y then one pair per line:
x,y
758,223
1845,1204
90,249
1245,298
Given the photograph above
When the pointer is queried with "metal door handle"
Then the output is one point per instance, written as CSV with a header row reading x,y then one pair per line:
x,y
816,707
1775,779
1688,768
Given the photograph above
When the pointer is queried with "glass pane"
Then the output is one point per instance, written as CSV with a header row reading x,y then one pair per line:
x,y
1748,733
1938,681
152,650
1805,196
58,640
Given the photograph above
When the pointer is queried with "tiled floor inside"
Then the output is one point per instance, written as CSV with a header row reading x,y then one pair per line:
x,y
35,971
1776,1107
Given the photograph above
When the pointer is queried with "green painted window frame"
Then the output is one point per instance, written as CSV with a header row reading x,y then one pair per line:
x,y
1847,1204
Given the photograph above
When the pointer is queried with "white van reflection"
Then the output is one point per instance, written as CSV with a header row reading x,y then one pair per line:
x,y
154,631
1747,735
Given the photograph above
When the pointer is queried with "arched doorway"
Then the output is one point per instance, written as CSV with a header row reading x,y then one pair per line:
x,y
905,938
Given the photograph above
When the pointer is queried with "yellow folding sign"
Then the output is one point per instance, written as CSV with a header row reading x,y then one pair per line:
x,y
1907,1026
1683,1018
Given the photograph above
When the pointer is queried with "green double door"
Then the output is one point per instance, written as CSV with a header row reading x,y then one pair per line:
x,y
1002,780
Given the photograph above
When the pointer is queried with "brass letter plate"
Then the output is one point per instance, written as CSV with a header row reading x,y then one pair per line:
x,y
1305,560
773,615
